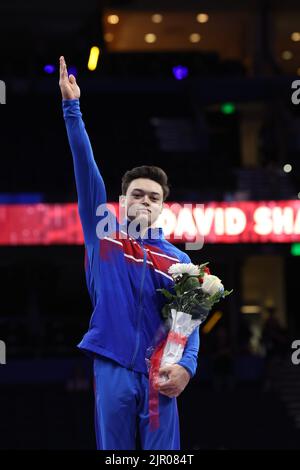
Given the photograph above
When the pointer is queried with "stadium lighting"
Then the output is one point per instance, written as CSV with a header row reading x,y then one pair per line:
x,y
113,19
287,168
228,108
49,68
93,59
180,72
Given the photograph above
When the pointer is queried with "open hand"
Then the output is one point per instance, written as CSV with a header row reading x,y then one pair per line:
x,y
68,86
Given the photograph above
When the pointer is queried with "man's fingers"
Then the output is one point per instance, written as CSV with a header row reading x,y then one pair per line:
x,y
165,387
164,370
169,394
162,390
165,392
63,68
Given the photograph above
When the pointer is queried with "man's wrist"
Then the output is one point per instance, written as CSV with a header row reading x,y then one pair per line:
x,y
186,369
70,99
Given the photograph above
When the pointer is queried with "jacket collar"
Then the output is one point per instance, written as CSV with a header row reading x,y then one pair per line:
x,y
153,234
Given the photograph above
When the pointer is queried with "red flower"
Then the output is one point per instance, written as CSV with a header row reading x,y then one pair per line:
x,y
206,271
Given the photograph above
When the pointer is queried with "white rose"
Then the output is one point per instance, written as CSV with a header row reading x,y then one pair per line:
x,y
181,268
212,284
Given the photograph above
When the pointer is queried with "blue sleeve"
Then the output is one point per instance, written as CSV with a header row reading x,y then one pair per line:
x,y
185,258
190,354
89,183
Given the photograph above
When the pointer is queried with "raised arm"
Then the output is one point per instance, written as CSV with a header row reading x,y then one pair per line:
x,y
89,183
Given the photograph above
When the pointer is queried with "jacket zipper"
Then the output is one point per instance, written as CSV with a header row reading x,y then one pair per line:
x,y
140,306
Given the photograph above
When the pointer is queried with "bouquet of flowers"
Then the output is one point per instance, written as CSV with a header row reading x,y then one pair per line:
x,y
196,291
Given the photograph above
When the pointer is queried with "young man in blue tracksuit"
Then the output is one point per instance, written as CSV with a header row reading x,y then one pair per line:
x,y
124,269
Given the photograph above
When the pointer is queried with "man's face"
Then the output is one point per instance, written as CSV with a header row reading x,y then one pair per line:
x,y
144,201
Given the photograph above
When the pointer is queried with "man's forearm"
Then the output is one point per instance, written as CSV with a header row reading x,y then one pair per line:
x,y
89,183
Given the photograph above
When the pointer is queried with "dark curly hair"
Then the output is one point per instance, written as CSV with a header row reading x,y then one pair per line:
x,y
151,172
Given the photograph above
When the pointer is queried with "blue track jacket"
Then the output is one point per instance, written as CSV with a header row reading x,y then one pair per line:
x,y
123,273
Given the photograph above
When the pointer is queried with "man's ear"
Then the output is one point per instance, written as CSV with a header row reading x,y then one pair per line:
x,y
122,207
122,200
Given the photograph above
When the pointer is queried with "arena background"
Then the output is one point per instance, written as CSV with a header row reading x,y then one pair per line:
x,y
204,90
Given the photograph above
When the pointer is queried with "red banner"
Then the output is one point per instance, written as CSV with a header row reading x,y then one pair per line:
x,y
216,222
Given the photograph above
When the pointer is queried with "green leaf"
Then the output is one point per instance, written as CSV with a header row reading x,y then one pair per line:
x,y
202,266
227,292
178,289
166,311
191,283
166,293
